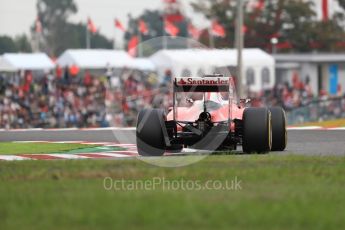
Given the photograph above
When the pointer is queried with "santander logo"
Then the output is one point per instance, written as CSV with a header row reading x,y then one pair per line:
x,y
203,81
181,82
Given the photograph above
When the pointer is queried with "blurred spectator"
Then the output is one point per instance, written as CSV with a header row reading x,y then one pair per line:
x,y
58,100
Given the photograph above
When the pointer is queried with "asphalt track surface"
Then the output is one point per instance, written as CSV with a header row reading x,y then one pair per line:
x,y
305,142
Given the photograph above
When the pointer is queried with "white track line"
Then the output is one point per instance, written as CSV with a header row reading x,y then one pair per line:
x,y
133,129
13,158
96,143
66,142
70,129
68,156
62,129
115,155
125,151
340,128
306,128
123,145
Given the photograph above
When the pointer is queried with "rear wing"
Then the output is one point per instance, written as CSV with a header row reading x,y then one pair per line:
x,y
205,84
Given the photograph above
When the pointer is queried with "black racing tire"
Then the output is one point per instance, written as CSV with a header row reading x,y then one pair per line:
x,y
149,132
175,148
279,134
257,133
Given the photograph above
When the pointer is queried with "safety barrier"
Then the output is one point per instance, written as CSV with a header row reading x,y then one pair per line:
x,y
318,110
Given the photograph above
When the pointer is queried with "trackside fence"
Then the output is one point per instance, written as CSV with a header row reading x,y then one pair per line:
x,y
318,110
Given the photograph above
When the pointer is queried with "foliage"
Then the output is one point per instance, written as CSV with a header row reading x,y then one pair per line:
x,y
293,22
23,44
7,45
18,44
59,34
154,21
297,24
225,12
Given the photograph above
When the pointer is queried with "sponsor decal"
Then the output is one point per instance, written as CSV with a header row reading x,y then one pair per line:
x,y
202,81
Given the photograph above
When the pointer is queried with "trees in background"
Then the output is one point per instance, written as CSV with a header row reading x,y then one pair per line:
x,y
18,44
293,23
55,33
7,45
154,20
58,34
53,17
224,12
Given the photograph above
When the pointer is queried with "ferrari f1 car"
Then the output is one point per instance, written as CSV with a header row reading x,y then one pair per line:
x,y
206,115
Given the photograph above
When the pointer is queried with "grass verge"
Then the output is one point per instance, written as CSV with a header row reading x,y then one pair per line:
x,y
277,192
7,148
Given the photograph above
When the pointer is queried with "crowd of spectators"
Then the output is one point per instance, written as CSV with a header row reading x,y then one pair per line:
x,y
131,91
301,104
69,98
288,96
65,98
51,101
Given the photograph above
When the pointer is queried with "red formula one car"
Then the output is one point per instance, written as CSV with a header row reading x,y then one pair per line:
x,y
206,115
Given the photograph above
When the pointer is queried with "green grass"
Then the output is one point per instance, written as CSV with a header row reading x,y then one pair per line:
x,y
7,148
327,124
278,192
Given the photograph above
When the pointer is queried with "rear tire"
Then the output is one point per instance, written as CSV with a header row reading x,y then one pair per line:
x,y
149,132
279,135
257,134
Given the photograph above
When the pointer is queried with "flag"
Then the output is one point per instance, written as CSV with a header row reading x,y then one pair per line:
x,y
132,46
284,45
143,27
169,1
119,25
38,25
174,18
244,29
171,29
260,5
325,10
193,31
217,29
91,26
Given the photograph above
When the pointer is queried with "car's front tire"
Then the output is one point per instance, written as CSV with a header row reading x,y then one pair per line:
x,y
257,134
149,132
279,134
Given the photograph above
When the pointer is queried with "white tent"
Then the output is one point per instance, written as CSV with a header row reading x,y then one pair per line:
x,y
95,59
259,66
143,64
11,62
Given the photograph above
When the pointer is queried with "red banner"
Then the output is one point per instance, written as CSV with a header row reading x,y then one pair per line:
x,y
217,29
193,31
325,15
91,26
143,27
132,46
38,25
171,29
119,25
